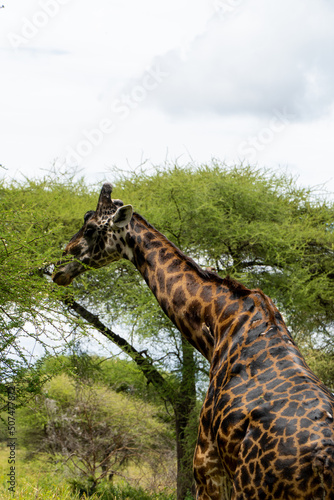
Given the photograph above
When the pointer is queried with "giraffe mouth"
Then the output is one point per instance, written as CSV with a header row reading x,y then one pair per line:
x,y
63,275
62,278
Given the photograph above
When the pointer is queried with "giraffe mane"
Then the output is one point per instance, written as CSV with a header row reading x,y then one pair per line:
x,y
233,285
236,287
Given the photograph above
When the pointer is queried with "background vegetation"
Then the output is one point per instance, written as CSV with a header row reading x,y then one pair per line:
x,y
259,227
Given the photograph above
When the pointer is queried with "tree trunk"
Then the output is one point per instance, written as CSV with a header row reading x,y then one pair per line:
x,y
183,408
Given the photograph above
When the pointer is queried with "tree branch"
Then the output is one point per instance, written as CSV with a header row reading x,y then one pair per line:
x,y
150,372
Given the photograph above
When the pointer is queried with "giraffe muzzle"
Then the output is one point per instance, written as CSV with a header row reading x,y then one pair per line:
x,y
63,274
67,269
62,278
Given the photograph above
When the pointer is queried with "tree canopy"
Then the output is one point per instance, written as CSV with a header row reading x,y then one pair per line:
x,y
254,225
35,216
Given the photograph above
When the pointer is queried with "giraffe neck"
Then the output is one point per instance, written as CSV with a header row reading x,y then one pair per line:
x,y
203,306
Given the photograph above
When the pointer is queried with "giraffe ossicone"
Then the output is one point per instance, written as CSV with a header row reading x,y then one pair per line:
x,y
267,420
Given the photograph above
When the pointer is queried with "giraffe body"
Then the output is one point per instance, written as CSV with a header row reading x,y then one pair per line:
x,y
267,420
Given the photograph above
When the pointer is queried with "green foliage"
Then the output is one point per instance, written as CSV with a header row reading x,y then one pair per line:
x,y
95,429
321,361
36,218
38,479
120,375
62,395
123,491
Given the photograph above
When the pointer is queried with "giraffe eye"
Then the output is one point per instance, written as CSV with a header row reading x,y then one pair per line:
x,y
88,215
89,232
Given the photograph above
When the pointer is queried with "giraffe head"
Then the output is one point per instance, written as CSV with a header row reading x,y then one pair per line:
x,y
99,242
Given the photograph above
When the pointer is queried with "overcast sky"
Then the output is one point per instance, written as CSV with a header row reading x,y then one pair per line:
x,y
120,82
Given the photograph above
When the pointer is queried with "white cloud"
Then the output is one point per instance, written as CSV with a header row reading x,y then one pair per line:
x,y
266,55
231,66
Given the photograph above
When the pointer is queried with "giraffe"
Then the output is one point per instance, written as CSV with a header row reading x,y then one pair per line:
x,y
267,420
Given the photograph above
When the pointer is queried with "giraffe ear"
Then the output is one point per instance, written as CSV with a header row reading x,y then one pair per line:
x,y
122,216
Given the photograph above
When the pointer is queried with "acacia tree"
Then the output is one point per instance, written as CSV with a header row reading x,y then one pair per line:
x,y
33,217
254,225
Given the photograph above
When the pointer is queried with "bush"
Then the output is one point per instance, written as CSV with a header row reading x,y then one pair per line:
x,y
96,431
107,491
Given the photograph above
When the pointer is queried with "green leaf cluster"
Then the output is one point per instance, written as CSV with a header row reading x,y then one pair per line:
x,y
36,219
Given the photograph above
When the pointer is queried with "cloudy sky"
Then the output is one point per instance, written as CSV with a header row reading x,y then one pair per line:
x,y
122,82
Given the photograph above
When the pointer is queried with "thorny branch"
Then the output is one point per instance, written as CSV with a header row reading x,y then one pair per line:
x,y
151,373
